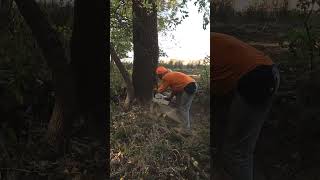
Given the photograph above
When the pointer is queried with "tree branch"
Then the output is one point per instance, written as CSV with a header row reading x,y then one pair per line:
x,y
125,75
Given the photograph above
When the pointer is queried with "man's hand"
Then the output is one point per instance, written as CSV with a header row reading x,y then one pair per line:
x,y
155,89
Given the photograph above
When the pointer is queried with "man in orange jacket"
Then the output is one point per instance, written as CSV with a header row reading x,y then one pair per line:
x,y
244,82
183,87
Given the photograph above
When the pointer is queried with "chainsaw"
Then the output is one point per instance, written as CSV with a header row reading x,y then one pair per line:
x,y
160,98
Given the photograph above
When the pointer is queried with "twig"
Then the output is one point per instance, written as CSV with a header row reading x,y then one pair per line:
x,y
21,170
306,25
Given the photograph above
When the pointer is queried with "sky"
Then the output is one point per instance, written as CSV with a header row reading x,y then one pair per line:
x,y
191,41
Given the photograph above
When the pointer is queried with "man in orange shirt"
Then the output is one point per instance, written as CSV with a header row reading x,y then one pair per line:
x,y
244,82
182,86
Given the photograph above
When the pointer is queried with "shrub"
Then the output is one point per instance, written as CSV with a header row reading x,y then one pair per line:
x,y
304,41
25,79
117,83
203,96
222,10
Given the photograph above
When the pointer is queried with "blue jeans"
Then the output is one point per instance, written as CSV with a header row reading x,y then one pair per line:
x,y
236,128
184,101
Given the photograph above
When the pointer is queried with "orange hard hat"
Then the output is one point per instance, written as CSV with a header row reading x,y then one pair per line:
x,y
161,70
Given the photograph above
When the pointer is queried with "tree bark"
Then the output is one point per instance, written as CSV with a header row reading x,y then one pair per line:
x,y
89,61
65,110
146,49
126,77
56,126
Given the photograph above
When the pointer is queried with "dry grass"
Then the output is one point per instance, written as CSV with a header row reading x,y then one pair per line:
x,y
149,148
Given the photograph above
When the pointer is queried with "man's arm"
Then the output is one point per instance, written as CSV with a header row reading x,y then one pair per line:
x,y
163,86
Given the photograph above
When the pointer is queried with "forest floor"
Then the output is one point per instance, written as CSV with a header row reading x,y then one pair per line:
x,y
147,147
281,146
23,158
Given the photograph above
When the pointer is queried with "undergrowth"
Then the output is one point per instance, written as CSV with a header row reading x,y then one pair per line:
x,y
149,148
144,147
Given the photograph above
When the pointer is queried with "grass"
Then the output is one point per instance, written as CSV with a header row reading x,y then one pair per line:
x,y
144,147
148,148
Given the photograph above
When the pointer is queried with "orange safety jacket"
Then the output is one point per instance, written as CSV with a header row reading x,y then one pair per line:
x,y
231,59
175,80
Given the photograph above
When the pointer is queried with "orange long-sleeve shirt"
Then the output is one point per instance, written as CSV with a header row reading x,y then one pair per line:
x,y
232,59
175,80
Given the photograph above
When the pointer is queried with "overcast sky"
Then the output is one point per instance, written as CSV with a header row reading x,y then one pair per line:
x,y
190,41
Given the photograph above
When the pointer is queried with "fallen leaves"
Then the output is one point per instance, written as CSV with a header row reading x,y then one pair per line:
x,y
153,148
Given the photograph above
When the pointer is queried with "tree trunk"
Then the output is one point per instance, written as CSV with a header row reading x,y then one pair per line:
x,y
146,49
126,77
56,126
65,110
89,61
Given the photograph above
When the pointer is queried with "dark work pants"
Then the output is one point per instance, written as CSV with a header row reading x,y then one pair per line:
x,y
237,121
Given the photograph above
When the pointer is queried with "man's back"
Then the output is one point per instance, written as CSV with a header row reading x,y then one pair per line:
x,y
177,80
231,59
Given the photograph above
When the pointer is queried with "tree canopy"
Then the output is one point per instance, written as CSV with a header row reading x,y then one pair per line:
x,y
170,14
